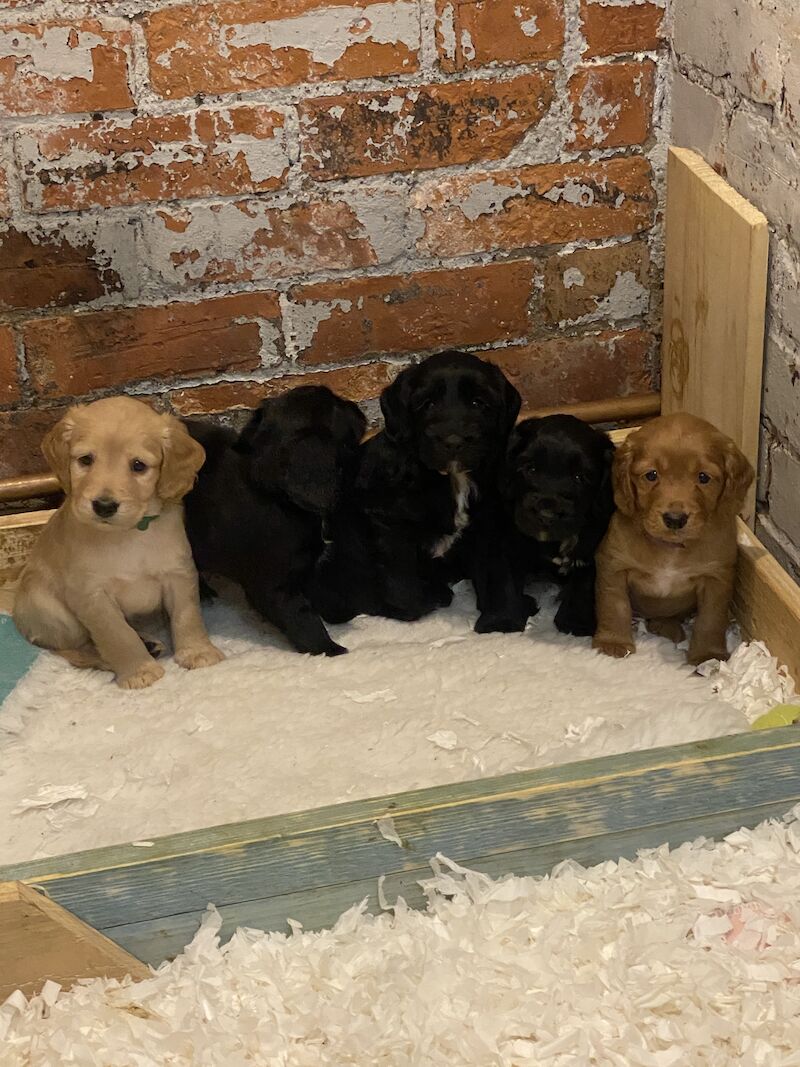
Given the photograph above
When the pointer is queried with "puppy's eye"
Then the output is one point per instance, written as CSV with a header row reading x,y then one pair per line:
x,y
138,466
86,461
579,478
703,478
651,476
479,403
424,405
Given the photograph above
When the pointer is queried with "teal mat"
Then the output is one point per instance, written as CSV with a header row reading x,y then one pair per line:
x,y
16,656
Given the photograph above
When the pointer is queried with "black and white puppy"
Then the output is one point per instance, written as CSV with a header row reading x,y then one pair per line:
x,y
257,512
559,500
425,494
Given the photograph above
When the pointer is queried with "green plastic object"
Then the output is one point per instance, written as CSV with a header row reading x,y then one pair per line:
x,y
780,715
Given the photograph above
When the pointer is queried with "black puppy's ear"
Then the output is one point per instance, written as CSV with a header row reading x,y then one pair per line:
x,y
512,401
395,399
356,419
246,439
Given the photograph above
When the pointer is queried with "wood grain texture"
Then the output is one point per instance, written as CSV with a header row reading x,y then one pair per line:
x,y
767,601
40,940
715,279
522,823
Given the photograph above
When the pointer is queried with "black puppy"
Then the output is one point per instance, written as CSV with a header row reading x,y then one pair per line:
x,y
257,511
424,497
559,500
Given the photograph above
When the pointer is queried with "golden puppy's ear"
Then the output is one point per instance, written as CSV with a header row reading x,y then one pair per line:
x,y
739,475
624,496
182,459
55,447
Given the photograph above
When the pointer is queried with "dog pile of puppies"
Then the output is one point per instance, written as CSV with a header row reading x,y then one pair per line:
x,y
316,526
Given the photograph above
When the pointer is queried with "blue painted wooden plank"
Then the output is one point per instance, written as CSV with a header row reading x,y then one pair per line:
x,y
16,656
547,810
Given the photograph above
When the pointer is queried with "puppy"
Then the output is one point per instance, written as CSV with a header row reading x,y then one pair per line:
x,y
670,549
257,513
557,488
424,500
116,548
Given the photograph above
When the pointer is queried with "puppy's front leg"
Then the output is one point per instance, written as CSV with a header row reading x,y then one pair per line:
x,y
576,613
709,640
614,634
117,642
292,613
190,638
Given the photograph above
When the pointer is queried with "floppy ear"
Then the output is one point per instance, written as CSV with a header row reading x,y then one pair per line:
x,y
621,480
182,458
356,419
513,402
55,447
394,404
738,476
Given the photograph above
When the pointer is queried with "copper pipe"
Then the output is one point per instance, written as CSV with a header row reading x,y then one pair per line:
x,y
615,409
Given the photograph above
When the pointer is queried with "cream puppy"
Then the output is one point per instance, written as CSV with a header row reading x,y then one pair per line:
x,y
116,549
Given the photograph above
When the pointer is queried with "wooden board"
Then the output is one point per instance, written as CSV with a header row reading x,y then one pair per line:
x,y
715,280
312,865
40,940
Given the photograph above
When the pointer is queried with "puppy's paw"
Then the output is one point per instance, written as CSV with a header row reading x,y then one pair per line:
x,y
198,656
575,621
495,623
611,647
696,656
153,645
444,597
335,650
142,677
669,628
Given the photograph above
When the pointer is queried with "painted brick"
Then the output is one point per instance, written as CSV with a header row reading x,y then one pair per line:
x,y
783,290
5,204
47,270
612,29
258,44
353,319
597,285
363,382
250,241
528,206
612,104
698,120
781,396
21,432
419,128
76,354
59,67
9,379
791,75
784,492
568,370
131,160
475,33
743,41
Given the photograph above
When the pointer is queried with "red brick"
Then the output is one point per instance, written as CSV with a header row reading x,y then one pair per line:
x,y
257,44
611,29
250,241
474,33
422,127
593,284
49,271
334,322
9,379
128,161
21,433
530,206
568,370
76,354
612,104
363,382
58,67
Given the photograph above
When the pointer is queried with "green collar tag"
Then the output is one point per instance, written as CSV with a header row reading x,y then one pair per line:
x,y
142,524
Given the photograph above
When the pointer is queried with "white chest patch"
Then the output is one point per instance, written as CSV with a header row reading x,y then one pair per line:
x,y
463,489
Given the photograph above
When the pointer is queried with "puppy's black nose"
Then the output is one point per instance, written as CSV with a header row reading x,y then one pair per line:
x,y
675,520
104,508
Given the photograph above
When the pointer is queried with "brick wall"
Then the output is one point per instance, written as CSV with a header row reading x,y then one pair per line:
x,y
215,201
736,99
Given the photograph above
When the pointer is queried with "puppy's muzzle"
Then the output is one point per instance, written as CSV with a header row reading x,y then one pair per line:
x,y
105,507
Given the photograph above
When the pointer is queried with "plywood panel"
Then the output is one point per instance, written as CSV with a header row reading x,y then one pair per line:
x,y
715,281
40,940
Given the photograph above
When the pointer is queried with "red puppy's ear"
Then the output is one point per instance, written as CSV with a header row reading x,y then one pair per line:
x,y
622,480
739,475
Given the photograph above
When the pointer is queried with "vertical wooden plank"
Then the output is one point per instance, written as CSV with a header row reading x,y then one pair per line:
x,y
715,281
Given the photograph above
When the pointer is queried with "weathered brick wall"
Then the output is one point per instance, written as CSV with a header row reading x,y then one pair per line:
x,y
736,99
214,201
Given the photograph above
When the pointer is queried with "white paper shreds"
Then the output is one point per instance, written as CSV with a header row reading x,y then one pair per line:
x,y
688,958
753,681
386,829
